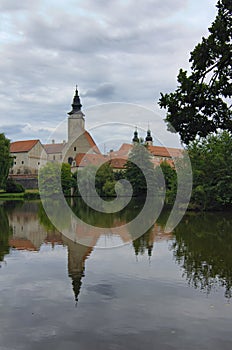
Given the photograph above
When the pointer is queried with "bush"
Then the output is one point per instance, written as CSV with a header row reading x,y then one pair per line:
x,y
31,195
13,187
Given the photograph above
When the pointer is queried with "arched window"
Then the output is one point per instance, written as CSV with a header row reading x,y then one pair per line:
x,y
70,160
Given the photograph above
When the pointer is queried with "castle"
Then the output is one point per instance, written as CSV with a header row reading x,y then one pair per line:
x,y
79,150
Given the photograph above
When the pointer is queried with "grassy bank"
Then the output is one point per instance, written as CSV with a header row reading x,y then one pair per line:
x,y
28,195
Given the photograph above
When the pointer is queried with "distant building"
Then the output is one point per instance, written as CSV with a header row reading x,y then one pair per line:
x,y
79,150
27,157
118,159
55,151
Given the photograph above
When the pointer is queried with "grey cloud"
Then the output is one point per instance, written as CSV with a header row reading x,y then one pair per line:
x,y
114,51
7,5
12,129
104,91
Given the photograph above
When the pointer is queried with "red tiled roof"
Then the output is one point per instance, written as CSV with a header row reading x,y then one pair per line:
x,y
22,146
118,163
125,149
84,159
159,151
91,142
22,244
51,148
165,151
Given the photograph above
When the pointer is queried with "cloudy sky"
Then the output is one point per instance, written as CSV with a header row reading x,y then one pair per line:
x,y
121,53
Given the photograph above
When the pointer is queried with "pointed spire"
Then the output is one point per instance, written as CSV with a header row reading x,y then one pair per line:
x,y
148,137
76,105
135,138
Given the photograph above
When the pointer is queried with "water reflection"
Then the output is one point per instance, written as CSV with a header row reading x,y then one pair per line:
x,y
201,244
86,226
25,226
202,247
5,233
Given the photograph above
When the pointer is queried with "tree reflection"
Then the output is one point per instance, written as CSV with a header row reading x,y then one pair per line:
x,y
202,247
5,233
143,243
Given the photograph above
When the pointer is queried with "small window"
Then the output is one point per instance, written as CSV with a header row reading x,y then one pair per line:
x,y
22,162
70,160
74,149
38,163
14,163
54,157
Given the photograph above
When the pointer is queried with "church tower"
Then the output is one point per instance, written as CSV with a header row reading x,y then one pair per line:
x,y
135,139
79,139
76,120
149,140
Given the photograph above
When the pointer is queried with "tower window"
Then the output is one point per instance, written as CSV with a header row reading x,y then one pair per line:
x,y
74,149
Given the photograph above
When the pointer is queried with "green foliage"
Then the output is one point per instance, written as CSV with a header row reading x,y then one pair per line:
x,y
170,178
211,160
85,180
67,179
139,170
119,175
5,159
49,179
108,188
201,103
31,195
101,179
104,180
14,187
54,178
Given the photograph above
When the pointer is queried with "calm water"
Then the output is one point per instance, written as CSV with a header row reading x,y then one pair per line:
x,y
163,291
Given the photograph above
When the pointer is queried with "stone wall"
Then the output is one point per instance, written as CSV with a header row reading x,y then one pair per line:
x,y
27,181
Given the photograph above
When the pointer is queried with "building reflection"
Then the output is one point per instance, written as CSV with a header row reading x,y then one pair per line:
x,y
77,255
200,244
30,228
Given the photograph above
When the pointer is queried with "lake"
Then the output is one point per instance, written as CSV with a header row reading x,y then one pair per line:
x,y
162,290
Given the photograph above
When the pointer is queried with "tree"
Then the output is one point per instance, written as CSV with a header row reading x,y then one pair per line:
x,y
13,187
170,178
5,159
67,179
201,103
139,170
211,160
104,181
53,177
